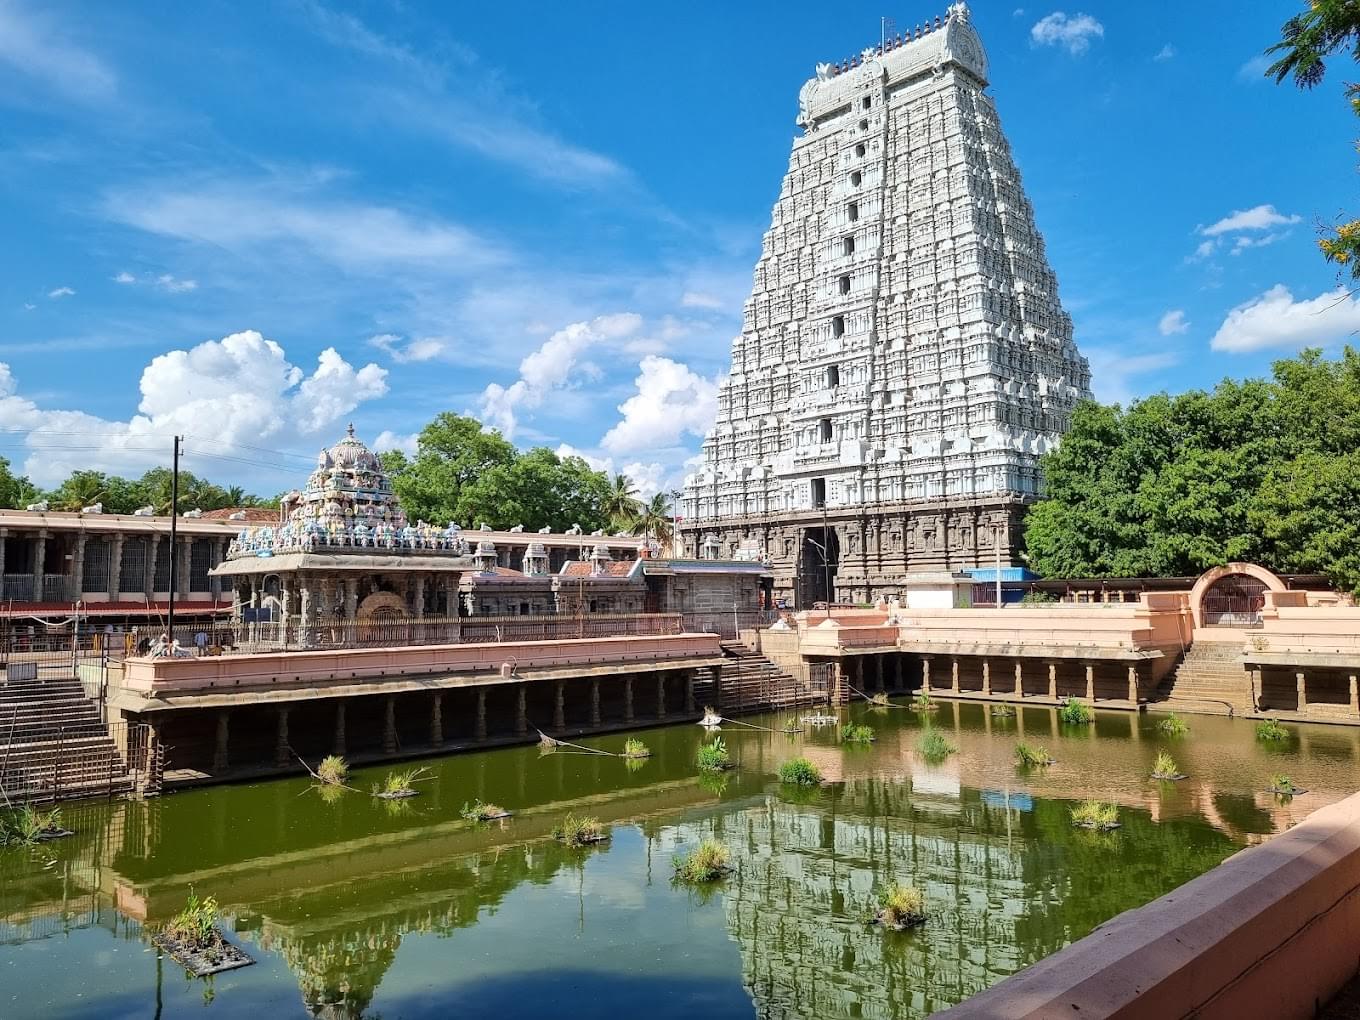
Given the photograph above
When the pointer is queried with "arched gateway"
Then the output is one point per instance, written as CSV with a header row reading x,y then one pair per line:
x,y
1232,595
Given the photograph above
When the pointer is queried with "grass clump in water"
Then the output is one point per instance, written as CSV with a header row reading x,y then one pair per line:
x,y
1031,755
27,826
800,772
879,700
582,831
706,863
1076,712
634,748
333,770
396,785
900,906
792,726
1003,712
713,757
934,746
479,811
923,702
1173,726
1093,814
1165,767
1271,730
856,733
195,927
1282,785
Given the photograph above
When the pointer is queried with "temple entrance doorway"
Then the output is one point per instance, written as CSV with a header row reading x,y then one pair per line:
x,y
1234,601
821,555
381,619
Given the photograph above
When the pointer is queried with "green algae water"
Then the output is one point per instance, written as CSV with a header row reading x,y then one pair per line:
x,y
355,907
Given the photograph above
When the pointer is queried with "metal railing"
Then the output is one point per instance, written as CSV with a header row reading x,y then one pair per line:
x,y
62,763
729,623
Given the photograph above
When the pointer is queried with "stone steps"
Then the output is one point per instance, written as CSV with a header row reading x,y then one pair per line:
x,y
1211,672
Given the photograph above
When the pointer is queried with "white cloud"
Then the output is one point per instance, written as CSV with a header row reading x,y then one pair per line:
x,y
552,366
60,292
698,299
169,283
403,351
1253,72
225,395
1243,242
1259,217
1166,53
389,440
1275,320
648,477
1204,249
671,400
1113,371
30,44
1073,33
28,306
1172,322
125,278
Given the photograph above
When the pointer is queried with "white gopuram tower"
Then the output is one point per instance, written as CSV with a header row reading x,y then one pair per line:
x,y
904,359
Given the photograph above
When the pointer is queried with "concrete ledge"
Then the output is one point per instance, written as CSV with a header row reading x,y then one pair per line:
x,y
1273,931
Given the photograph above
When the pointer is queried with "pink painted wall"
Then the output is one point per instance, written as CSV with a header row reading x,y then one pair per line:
x,y
153,676
1271,932
1308,628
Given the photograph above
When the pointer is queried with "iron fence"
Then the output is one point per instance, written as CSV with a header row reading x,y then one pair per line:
x,y
61,763
729,623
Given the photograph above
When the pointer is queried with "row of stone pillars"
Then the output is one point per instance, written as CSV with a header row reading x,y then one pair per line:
x,y
1301,690
284,755
1018,689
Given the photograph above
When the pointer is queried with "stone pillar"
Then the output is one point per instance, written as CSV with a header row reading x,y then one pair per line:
x,y
559,706
661,694
152,552
281,754
185,559
115,567
594,701
339,743
897,672
307,610
925,674
4,534
418,597
77,566
521,711
219,553
878,674
221,758
1133,684
1019,680
954,675
1355,696
1053,681
351,597
437,721
480,727
628,697
689,693
986,676
1090,683
1256,688
39,564
390,724
1301,685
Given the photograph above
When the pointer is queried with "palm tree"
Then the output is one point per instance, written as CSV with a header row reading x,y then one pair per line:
x,y
621,504
654,520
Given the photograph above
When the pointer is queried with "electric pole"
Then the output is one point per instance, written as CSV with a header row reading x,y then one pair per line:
x,y
174,543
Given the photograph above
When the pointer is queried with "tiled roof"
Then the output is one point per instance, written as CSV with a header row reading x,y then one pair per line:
x,y
585,568
253,514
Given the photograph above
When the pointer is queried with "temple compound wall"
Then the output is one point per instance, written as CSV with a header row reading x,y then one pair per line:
x,y
904,360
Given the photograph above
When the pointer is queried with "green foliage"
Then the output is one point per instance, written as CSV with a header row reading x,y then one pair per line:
x,y
16,491
195,926
621,505
653,519
1164,767
333,770
26,825
1030,755
923,702
1173,726
857,733
1092,814
900,906
634,748
1265,470
934,746
578,831
1283,785
479,811
1271,730
1076,712
713,756
706,863
398,784
1037,598
123,495
800,772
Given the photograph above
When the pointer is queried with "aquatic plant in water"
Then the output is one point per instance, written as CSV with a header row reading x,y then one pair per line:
x,y
1173,726
1093,814
900,906
800,772
1271,730
713,757
333,770
923,702
634,748
398,784
1030,755
27,826
934,745
478,811
706,863
1282,785
196,925
1076,712
856,733
581,831
1165,767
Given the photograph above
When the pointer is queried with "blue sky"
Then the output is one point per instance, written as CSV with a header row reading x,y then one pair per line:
x,y
252,223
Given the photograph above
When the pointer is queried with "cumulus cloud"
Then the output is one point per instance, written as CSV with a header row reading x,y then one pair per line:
x,y
169,283
671,400
1172,322
552,366
1258,217
402,350
649,477
226,394
389,440
1113,371
1073,33
60,292
1166,53
125,278
1275,320
698,299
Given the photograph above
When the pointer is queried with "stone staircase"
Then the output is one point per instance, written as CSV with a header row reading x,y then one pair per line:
x,y
751,683
1211,678
54,745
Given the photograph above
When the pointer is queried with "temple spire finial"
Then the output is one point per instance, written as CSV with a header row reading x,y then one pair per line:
x,y
349,431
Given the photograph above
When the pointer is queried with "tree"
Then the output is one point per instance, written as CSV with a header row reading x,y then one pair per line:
x,y
537,489
16,491
1306,40
621,505
452,453
654,520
